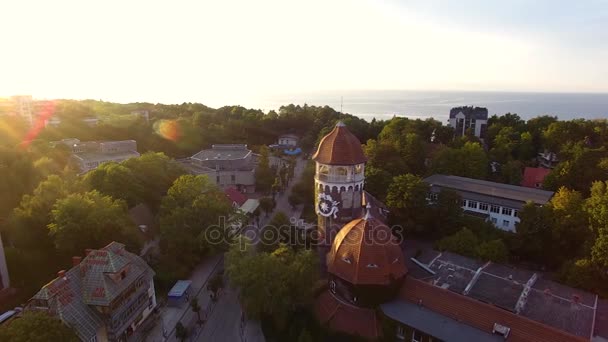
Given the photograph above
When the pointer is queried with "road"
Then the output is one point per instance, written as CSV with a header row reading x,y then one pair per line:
x,y
225,320
282,205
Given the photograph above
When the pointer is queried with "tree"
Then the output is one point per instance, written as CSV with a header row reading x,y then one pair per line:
x,y
118,181
599,252
36,326
264,176
181,332
407,200
494,250
277,231
377,181
597,206
267,204
91,220
196,308
27,226
215,284
294,199
156,173
273,284
193,219
463,242
468,161
445,215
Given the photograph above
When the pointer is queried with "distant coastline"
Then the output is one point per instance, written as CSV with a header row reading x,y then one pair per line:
x,y
437,104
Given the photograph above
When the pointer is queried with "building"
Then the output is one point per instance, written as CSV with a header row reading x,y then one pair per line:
x,y
454,298
534,177
547,159
20,105
496,202
288,140
466,118
227,165
235,197
88,155
377,286
105,296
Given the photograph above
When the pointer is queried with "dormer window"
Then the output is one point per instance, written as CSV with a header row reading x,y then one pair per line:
x,y
372,266
123,275
396,260
501,330
346,260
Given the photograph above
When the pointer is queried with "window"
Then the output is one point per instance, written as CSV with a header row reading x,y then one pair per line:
x,y
495,209
505,223
515,213
507,211
332,286
233,178
463,203
538,185
341,171
123,274
494,220
473,204
217,179
433,196
358,169
400,332
416,336
323,169
483,206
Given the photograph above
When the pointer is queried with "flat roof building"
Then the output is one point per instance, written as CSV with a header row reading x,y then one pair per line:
x,y
496,202
88,155
227,165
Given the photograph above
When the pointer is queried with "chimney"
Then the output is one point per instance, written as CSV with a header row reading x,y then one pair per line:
x,y
61,274
87,251
76,260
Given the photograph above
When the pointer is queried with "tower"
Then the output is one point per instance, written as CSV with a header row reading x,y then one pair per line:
x,y
339,180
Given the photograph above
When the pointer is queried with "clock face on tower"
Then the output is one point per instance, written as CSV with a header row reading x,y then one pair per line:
x,y
327,206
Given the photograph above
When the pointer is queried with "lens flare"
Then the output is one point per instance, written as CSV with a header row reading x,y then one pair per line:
x,y
45,113
168,129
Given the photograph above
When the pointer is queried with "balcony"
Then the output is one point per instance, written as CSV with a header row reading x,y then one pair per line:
x,y
340,178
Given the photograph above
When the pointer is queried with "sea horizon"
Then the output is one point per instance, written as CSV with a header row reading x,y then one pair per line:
x,y
384,104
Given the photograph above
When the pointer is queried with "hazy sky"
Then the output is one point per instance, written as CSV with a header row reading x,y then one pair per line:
x,y
223,51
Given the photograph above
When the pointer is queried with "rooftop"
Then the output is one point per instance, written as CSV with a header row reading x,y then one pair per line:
x,y
499,190
223,152
477,113
92,282
521,292
441,327
340,147
533,176
365,252
105,156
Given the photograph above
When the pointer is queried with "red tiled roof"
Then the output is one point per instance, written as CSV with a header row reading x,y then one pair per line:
x,y
366,252
340,147
346,318
235,196
533,176
480,315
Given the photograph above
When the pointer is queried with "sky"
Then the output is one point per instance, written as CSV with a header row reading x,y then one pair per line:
x,y
219,52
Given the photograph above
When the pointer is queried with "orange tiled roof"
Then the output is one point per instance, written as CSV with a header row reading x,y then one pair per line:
x,y
340,147
365,252
480,315
346,318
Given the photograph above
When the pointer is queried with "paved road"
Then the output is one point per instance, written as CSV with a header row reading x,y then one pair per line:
x,y
282,205
169,316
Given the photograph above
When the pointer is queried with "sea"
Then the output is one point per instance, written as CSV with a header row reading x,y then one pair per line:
x,y
437,104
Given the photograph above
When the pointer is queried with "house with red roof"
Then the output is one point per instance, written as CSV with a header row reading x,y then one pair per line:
x,y
534,177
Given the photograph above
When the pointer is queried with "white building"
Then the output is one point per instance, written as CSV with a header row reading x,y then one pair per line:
x,y
495,202
473,118
288,140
